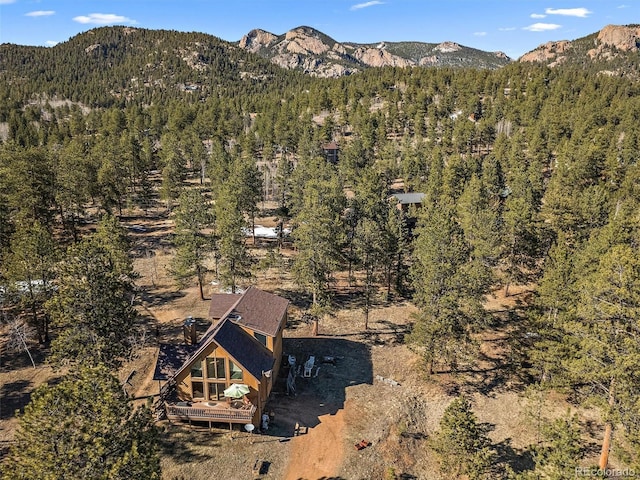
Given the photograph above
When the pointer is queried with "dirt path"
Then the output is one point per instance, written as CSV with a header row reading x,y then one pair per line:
x,y
320,452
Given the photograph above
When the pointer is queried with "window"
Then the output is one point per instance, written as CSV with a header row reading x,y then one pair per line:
x,y
236,371
216,391
215,368
261,338
197,390
196,369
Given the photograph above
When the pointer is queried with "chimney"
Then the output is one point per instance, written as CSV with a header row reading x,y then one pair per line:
x,y
189,329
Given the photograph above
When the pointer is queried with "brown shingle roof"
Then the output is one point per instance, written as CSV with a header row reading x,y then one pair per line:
x,y
260,311
221,303
244,349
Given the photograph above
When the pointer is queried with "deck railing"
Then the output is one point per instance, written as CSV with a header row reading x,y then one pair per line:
x,y
211,414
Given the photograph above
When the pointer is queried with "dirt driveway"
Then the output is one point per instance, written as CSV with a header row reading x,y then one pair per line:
x,y
320,452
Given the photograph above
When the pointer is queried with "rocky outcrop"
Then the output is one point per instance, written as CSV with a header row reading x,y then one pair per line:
x,y
313,52
448,47
257,39
379,57
304,40
613,39
623,38
609,43
547,52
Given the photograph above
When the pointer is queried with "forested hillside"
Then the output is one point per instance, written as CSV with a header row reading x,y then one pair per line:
x,y
530,175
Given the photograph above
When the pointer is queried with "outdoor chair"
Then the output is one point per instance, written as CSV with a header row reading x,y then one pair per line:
x,y
308,366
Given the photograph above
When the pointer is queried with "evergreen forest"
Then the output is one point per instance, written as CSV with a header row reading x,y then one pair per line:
x,y
530,178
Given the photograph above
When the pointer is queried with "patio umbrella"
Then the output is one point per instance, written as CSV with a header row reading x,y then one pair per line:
x,y
236,390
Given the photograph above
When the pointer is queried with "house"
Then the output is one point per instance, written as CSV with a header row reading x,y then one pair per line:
x,y
242,346
408,204
407,201
330,151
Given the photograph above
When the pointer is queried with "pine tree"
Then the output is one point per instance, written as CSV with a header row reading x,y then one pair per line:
x,y
557,456
461,443
368,251
83,427
318,233
72,178
173,169
246,181
448,288
231,227
479,221
607,330
193,237
112,236
92,307
30,267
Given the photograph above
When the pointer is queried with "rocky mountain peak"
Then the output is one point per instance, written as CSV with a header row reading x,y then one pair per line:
x,y
547,52
609,43
303,31
305,40
625,38
311,51
447,47
257,39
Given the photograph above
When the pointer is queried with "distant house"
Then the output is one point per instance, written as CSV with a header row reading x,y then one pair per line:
x,y
407,201
330,151
242,346
408,204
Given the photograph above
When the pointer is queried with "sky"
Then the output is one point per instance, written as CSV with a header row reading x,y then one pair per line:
x,y
510,26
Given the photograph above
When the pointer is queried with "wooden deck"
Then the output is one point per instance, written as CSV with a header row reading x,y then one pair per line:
x,y
210,412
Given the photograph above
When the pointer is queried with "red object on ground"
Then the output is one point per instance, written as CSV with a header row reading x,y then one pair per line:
x,y
362,444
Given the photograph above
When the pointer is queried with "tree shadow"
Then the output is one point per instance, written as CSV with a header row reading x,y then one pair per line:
x,y
500,369
350,298
17,358
14,395
180,441
396,333
299,299
591,447
160,298
172,331
519,460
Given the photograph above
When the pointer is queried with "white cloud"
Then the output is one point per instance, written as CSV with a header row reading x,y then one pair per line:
x,y
40,13
366,4
102,19
6,2
480,34
51,43
507,29
569,12
537,15
542,27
